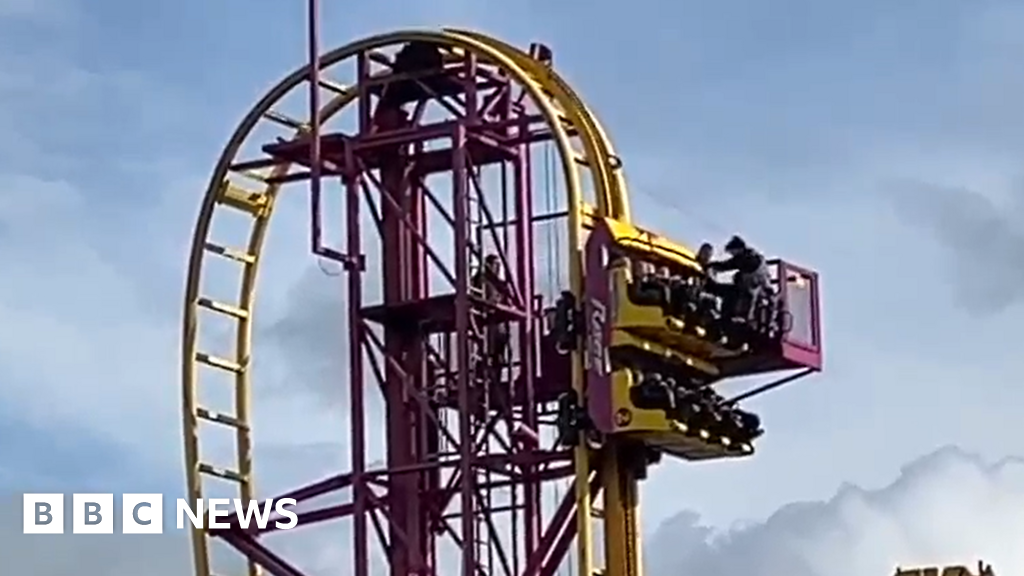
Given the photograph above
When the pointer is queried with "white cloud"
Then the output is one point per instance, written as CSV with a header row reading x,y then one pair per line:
x,y
947,508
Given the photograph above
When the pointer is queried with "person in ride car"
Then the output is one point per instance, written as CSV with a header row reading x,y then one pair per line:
x,y
705,300
749,282
688,293
648,287
705,254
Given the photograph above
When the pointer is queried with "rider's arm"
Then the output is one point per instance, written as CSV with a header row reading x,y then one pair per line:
x,y
728,265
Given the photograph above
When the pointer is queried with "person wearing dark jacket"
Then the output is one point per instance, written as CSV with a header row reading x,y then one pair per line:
x,y
494,289
749,282
488,280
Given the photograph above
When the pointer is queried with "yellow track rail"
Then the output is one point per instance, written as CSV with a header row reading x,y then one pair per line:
x,y
250,194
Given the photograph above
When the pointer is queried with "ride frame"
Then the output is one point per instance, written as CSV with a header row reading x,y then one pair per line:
x,y
432,475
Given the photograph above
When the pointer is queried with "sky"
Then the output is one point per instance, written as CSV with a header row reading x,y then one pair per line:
x,y
876,142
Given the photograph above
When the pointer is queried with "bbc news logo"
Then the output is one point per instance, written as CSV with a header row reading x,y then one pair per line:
x,y
144,513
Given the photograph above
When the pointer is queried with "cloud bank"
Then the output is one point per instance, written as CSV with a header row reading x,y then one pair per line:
x,y
947,508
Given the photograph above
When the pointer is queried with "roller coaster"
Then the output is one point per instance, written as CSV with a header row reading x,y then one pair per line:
x,y
522,331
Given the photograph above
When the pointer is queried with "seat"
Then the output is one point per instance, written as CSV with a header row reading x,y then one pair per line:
x,y
682,422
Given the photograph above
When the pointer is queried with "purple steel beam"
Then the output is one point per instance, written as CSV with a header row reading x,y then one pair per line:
x,y
562,518
460,199
307,518
555,542
392,203
360,541
261,555
313,30
332,484
402,429
304,519
408,388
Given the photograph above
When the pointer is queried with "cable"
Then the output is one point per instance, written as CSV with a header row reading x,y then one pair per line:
x,y
708,223
553,275
552,185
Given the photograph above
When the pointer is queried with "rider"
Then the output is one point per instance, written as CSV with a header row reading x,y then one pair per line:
x,y
648,289
688,295
705,257
748,284
705,253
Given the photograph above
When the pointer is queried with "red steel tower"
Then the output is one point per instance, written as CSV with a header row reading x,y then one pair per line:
x,y
480,357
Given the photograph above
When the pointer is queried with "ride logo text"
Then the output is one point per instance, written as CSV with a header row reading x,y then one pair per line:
x,y
144,513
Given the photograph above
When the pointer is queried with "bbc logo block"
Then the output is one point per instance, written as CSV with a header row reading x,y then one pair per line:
x,y
44,513
93,513
142,514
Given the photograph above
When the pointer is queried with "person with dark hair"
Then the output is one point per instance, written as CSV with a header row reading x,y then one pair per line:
x,y
488,281
488,284
649,286
705,254
690,293
749,283
705,300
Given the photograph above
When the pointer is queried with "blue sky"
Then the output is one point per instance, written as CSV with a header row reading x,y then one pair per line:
x,y
878,142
